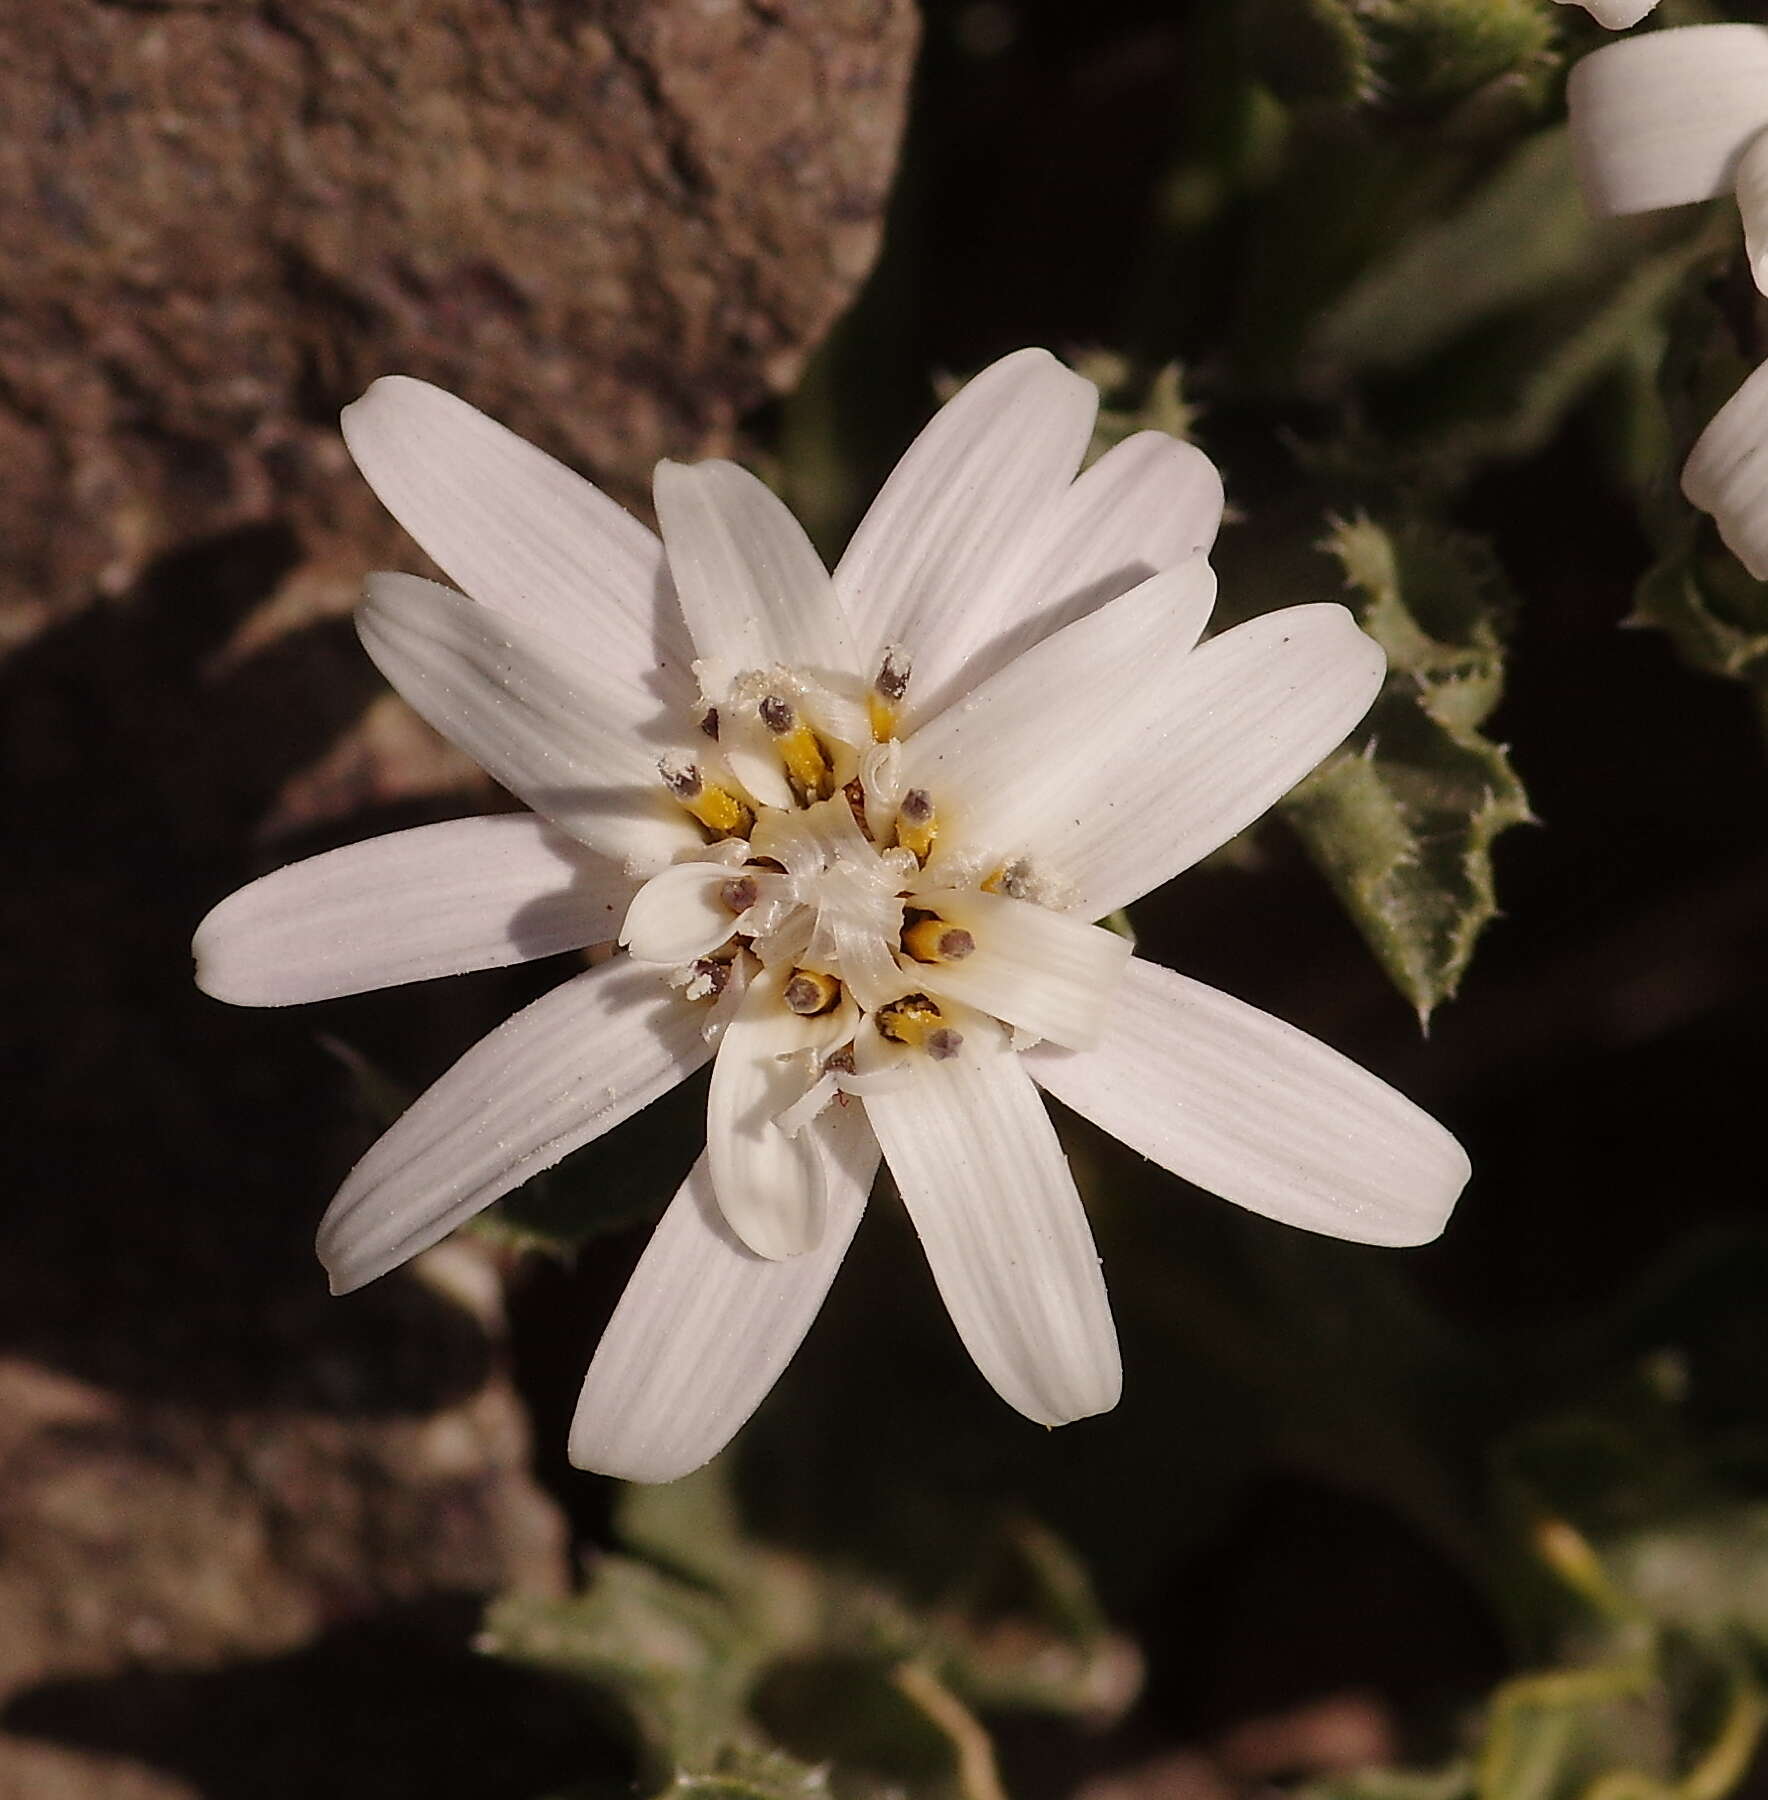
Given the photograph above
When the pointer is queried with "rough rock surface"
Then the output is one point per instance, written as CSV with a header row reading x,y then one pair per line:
x,y
244,1528
615,224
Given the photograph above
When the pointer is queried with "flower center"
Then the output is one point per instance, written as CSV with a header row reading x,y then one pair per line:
x,y
810,872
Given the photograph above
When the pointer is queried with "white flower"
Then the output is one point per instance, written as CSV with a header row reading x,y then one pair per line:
x,y
1617,15
851,833
1664,120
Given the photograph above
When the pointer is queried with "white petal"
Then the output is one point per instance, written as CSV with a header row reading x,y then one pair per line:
x,y
1260,1113
770,1186
706,1326
680,914
1114,759
1046,972
561,1072
518,531
976,481
1752,203
439,900
1660,120
977,1163
556,726
753,589
1727,473
1617,15
1146,505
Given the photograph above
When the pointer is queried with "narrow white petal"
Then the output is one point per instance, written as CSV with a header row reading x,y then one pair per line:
x,y
706,1326
1617,15
439,900
1146,505
1046,972
753,589
1661,120
977,1163
1112,758
1752,203
680,914
558,1074
560,729
1260,1113
976,481
1727,473
770,1186
519,531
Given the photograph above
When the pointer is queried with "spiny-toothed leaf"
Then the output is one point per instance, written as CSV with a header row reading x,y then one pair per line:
x,y
1697,592
1128,405
672,1660
1033,1636
1429,54
751,1775
1710,606
1403,817
1310,50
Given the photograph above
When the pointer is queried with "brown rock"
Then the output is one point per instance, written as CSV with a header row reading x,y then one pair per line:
x,y
245,1529
615,224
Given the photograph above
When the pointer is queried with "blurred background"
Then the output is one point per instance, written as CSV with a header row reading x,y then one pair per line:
x,y
1486,1521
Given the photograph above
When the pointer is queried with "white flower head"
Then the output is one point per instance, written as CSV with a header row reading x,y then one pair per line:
x,y
1667,119
850,832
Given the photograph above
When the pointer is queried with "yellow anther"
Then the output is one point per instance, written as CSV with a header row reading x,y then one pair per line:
x,y
1013,879
888,688
909,1020
808,767
717,808
811,992
930,939
916,825
721,812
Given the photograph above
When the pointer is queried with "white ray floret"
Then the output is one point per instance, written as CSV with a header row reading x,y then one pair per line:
x,y
1616,15
1662,119
1727,473
851,833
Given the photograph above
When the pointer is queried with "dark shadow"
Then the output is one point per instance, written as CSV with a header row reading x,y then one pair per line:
x,y
168,1157
377,1711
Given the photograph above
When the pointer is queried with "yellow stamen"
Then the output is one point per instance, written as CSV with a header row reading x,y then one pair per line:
x,y
930,939
1012,879
717,808
808,766
888,687
916,825
909,1020
811,992
721,812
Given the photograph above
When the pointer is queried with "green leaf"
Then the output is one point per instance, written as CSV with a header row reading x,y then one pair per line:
x,y
1452,1783
1128,403
1402,819
736,1666
1480,327
674,1662
751,1775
